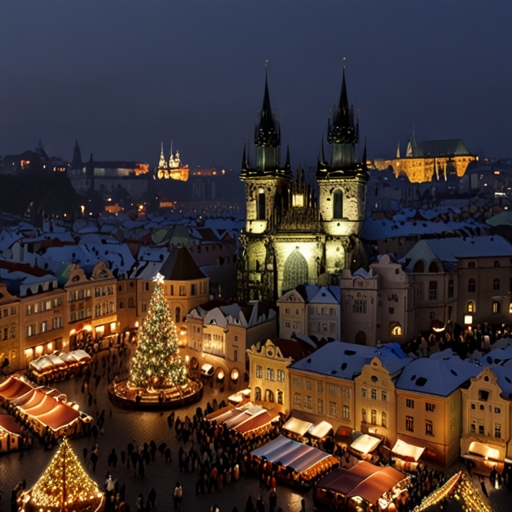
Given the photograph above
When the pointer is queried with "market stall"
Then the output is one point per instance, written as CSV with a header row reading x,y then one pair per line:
x,y
295,463
13,388
483,458
55,367
406,455
10,434
362,487
244,419
64,486
364,446
321,430
44,409
297,427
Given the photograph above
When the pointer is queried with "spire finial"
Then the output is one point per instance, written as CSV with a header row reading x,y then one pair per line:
x,y
343,60
266,64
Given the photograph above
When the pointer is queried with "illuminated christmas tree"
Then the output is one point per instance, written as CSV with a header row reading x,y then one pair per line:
x,y
156,363
64,486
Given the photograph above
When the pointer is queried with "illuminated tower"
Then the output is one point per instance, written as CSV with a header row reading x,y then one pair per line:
x,y
342,189
266,185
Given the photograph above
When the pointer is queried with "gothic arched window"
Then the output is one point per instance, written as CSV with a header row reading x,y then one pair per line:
x,y
295,271
337,206
261,205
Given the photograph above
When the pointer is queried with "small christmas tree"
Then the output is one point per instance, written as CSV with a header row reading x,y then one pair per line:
x,y
156,363
64,486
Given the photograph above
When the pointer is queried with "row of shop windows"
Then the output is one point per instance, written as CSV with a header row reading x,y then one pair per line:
x,y
8,332
373,394
333,406
269,395
481,428
373,417
269,374
45,326
44,305
5,311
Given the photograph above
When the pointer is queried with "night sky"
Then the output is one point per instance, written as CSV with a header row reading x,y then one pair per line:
x,y
122,76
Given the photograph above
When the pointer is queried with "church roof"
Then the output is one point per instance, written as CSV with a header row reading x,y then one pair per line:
x,y
180,266
440,148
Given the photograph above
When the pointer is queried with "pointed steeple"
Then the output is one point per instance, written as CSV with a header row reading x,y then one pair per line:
x,y
162,162
287,166
341,129
76,163
397,155
245,163
267,130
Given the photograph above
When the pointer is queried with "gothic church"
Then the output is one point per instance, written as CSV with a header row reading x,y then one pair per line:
x,y
291,236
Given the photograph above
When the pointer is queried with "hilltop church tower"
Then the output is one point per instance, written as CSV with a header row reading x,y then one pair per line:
x,y
290,236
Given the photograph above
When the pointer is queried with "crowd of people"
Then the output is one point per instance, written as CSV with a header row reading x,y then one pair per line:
x,y
464,342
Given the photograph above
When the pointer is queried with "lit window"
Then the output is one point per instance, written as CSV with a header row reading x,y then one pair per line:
x,y
409,423
429,428
495,307
374,417
396,330
346,412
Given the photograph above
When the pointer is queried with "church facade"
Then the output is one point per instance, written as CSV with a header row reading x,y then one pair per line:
x,y
292,234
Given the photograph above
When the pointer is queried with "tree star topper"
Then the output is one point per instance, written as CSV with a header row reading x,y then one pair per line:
x,y
159,279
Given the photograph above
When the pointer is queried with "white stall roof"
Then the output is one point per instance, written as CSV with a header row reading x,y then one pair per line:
x,y
297,426
403,449
320,429
365,443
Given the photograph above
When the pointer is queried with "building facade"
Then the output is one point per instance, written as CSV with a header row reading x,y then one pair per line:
x,y
290,236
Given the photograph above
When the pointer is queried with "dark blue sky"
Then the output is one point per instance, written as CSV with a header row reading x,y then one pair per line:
x,y
123,75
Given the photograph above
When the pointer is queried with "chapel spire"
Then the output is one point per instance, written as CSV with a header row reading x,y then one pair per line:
x,y
268,132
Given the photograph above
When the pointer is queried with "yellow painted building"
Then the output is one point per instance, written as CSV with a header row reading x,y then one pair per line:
x,y
429,404
9,329
486,414
269,380
375,410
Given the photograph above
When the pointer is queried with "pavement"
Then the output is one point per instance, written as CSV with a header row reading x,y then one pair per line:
x,y
121,427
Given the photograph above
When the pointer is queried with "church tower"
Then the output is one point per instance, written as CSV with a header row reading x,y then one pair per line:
x,y
342,189
266,185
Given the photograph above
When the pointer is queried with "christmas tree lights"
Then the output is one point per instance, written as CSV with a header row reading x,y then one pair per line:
x,y
156,363
458,488
64,486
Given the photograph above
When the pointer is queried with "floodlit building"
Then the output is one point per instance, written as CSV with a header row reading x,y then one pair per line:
x,y
322,385
486,415
429,404
310,310
430,160
220,334
290,236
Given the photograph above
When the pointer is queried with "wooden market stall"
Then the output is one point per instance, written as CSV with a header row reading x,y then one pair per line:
x,y
364,487
295,463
